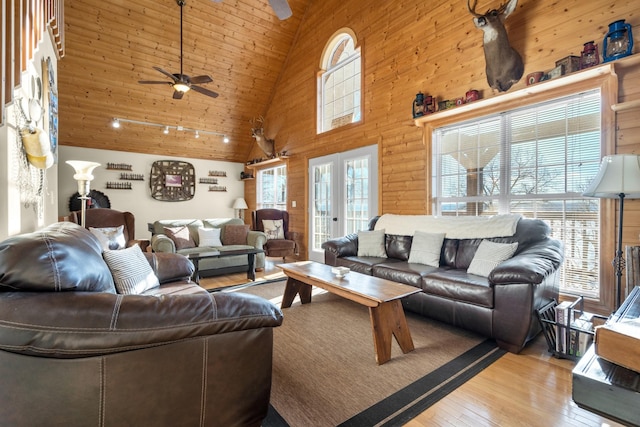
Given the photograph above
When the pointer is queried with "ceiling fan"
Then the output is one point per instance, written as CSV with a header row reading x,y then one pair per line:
x,y
280,7
182,83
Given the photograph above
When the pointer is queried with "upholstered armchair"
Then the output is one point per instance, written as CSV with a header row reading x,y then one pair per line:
x,y
275,224
104,217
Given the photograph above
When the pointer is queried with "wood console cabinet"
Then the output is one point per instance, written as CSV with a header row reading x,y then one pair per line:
x,y
605,388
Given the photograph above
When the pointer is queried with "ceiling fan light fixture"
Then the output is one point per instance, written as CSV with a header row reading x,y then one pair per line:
x,y
181,87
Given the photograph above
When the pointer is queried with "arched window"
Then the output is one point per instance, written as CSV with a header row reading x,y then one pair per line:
x,y
339,82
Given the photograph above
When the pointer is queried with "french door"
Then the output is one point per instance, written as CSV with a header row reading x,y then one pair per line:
x,y
343,195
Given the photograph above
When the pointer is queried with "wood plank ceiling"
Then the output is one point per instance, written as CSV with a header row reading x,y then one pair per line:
x,y
111,44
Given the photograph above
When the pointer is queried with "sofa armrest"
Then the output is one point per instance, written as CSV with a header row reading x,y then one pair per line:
x,y
342,246
532,265
257,239
83,324
162,243
295,236
170,267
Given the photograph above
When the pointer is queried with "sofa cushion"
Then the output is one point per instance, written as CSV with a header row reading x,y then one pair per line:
x,y
372,243
458,285
47,261
110,238
402,272
426,248
362,265
489,255
131,271
398,246
209,237
235,234
180,236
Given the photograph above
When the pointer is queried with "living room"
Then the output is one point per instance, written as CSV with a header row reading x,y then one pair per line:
x,y
406,48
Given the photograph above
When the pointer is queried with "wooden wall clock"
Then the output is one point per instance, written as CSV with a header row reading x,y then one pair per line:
x,y
172,181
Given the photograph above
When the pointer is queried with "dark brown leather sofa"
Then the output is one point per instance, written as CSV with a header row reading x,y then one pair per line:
x,y
501,306
73,352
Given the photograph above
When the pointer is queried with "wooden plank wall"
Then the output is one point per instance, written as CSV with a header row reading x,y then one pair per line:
x,y
23,25
432,47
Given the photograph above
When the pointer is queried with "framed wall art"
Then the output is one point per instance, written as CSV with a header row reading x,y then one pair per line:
x,y
172,181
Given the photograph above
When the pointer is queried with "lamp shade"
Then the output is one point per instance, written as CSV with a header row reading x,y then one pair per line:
x,y
83,169
618,174
240,204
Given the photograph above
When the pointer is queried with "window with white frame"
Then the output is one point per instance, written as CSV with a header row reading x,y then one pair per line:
x,y
536,161
339,82
272,188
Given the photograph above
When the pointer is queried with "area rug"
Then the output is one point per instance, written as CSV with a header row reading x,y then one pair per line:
x,y
325,373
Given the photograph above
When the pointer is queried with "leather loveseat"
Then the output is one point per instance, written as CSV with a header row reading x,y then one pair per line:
x,y
73,352
500,306
248,239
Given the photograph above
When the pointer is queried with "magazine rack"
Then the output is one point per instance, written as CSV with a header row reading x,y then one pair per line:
x,y
567,331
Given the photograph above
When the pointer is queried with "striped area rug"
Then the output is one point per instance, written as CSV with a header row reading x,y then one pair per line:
x,y
325,373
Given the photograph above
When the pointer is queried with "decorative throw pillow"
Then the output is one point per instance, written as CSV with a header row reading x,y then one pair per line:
x,y
180,236
131,271
371,243
235,234
209,237
489,255
426,248
111,238
273,228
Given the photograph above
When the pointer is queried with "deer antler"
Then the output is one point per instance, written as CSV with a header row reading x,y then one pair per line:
x,y
472,9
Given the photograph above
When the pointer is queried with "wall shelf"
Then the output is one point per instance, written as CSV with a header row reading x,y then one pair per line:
x,y
519,95
266,162
119,166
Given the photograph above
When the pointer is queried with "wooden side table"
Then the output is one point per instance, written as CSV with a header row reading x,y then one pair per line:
x,y
604,387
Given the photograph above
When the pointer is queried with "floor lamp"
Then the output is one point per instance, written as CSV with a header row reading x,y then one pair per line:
x,y
83,176
618,178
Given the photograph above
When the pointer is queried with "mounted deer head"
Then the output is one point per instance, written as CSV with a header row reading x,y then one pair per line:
x,y
257,132
503,64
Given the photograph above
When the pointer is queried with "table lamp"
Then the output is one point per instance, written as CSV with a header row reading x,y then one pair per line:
x,y
240,205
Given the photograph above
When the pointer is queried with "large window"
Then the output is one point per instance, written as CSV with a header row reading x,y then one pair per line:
x,y
272,188
339,82
536,161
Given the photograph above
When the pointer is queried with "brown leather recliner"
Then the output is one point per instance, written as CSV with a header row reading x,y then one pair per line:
x,y
276,247
105,217
73,352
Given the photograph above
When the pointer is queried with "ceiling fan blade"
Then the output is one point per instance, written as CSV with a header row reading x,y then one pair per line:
x,y
281,9
205,91
200,79
166,73
151,82
177,94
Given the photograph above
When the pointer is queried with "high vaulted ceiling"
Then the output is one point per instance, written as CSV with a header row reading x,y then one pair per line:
x,y
111,44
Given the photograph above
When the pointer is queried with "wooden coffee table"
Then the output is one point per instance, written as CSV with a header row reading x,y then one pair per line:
x,y
380,295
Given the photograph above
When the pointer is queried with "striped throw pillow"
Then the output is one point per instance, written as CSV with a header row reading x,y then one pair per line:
x,y
131,271
489,255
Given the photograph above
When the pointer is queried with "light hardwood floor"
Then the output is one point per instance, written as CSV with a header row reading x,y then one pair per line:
x,y
528,389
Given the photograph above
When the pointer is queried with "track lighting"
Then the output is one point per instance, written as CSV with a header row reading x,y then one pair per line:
x,y
165,128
